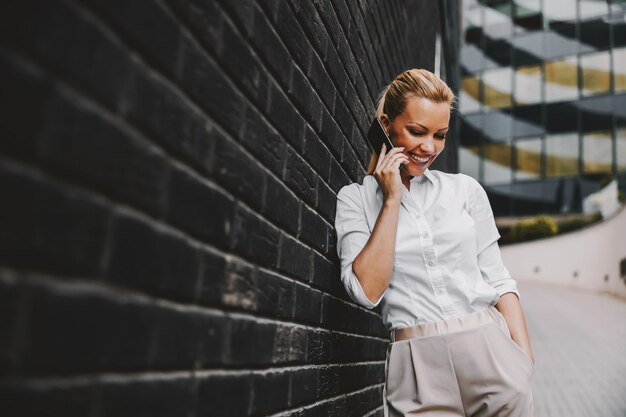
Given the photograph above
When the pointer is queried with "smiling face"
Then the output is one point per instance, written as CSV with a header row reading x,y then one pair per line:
x,y
421,129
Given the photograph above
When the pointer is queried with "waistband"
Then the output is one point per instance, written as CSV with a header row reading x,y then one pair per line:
x,y
450,325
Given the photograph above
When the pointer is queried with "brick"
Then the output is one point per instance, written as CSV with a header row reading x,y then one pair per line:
x,y
360,403
146,26
324,84
283,114
223,395
144,258
76,332
199,209
23,100
301,90
330,134
282,206
238,58
205,81
299,176
326,202
290,344
184,339
291,32
314,231
251,342
304,385
81,144
326,276
269,44
295,258
240,173
262,140
147,397
309,302
270,392
44,227
64,42
254,238
10,299
338,177
278,297
316,154
204,18
27,400
164,116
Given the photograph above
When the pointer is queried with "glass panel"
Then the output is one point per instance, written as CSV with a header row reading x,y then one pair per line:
x,y
528,84
620,138
562,79
497,163
594,35
469,161
497,87
498,20
528,158
593,8
470,94
559,11
596,70
472,58
561,40
497,125
562,154
527,14
597,152
527,121
619,69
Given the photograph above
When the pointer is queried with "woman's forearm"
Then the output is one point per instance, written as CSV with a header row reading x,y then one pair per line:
x,y
373,266
511,308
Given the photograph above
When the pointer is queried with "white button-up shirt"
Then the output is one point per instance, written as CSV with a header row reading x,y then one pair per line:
x,y
447,261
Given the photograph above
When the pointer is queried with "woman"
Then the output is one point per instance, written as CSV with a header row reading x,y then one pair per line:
x,y
423,244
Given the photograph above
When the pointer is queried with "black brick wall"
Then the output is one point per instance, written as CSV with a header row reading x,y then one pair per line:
x,y
168,173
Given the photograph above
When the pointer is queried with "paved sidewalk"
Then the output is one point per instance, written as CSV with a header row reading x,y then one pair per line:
x,y
579,343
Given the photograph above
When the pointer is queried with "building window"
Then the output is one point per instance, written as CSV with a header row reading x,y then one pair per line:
x,y
497,87
527,158
470,95
497,163
562,79
528,85
562,155
597,152
596,70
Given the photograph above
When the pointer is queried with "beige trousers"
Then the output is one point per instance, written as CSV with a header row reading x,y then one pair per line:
x,y
462,366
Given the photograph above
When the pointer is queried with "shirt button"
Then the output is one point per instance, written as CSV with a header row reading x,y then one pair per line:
x,y
431,263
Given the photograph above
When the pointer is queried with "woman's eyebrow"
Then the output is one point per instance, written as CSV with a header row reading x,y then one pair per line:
x,y
425,128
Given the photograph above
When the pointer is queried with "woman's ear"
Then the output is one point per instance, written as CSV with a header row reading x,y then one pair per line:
x,y
385,121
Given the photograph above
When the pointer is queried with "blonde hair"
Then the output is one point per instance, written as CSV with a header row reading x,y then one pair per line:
x,y
416,82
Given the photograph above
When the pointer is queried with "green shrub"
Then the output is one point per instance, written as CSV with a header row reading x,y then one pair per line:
x,y
535,228
572,224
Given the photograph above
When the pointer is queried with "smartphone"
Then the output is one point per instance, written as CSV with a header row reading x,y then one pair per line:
x,y
376,136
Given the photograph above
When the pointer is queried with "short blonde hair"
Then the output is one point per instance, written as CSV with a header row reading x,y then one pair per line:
x,y
416,82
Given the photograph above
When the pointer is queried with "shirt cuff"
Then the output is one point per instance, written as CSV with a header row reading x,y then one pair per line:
x,y
508,285
356,292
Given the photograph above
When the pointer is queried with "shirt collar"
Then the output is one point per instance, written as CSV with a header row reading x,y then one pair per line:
x,y
427,175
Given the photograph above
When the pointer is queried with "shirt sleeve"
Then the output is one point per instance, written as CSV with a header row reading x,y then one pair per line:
x,y
352,235
492,268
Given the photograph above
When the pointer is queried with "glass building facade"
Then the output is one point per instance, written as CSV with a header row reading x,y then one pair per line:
x,y
543,101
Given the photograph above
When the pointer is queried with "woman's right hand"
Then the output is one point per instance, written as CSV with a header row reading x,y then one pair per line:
x,y
387,172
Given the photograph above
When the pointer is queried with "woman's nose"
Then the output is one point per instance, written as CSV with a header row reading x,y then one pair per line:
x,y
427,145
